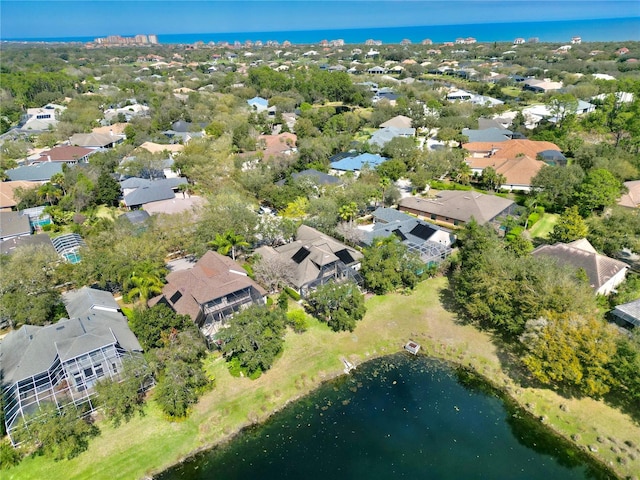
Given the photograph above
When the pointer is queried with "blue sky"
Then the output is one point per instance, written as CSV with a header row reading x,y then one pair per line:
x,y
63,18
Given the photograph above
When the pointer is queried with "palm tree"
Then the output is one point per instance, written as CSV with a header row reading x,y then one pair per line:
x,y
384,184
228,242
348,211
144,281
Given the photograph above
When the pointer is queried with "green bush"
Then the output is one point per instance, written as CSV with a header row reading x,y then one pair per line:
x,y
9,456
269,301
234,367
297,320
292,293
439,185
539,209
533,218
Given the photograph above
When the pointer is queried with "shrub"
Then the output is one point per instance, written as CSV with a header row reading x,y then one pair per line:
x,y
269,301
297,320
533,218
9,456
292,293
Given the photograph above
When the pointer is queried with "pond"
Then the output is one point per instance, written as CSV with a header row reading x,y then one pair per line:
x,y
396,416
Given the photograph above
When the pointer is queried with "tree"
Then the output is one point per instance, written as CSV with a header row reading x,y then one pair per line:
x,y
58,433
122,400
107,190
388,265
274,272
571,226
254,338
570,350
181,378
348,212
27,287
340,305
599,189
555,185
491,179
229,241
296,209
625,366
146,280
149,325
561,106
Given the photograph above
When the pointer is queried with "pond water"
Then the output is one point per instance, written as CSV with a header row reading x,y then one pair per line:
x,y
396,416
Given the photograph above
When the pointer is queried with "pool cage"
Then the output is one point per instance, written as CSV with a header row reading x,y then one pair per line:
x,y
66,383
68,245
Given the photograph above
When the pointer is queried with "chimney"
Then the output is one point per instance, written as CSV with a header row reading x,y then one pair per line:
x,y
111,132
48,158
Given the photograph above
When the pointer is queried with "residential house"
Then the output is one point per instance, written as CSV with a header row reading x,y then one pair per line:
x,y
376,70
509,148
493,135
60,364
7,192
430,242
39,172
631,199
316,259
604,273
541,86
258,104
9,246
41,119
384,135
95,141
535,113
140,191
64,154
129,112
14,224
278,145
356,163
210,292
627,315
152,147
456,207
399,121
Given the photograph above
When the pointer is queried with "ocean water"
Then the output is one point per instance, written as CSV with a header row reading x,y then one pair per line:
x,y
395,417
601,30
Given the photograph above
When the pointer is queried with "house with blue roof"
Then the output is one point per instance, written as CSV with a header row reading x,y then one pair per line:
x,y
39,172
259,104
356,164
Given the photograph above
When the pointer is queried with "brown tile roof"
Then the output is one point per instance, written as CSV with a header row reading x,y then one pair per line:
x,y
7,189
278,144
581,254
213,276
65,154
511,148
459,205
517,171
632,198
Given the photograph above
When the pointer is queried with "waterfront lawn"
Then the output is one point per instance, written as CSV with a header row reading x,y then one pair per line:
x,y
150,444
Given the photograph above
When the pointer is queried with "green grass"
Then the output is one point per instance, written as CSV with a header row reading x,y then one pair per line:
x,y
511,91
544,226
150,444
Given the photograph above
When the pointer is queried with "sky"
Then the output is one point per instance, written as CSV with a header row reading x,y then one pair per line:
x,y
78,18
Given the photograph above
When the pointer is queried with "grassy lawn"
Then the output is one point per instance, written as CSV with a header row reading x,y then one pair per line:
x,y
149,444
511,91
544,226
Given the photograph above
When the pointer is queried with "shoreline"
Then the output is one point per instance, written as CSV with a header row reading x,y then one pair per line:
x,y
510,401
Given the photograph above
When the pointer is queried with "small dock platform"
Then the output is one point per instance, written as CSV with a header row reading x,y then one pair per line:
x,y
348,366
412,347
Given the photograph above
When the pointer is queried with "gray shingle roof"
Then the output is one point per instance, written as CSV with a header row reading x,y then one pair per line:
x,y
581,255
87,300
630,312
14,224
41,240
31,349
36,173
459,205
487,135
